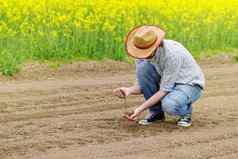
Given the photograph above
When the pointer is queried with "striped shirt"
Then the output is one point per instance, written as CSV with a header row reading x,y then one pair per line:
x,y
175,64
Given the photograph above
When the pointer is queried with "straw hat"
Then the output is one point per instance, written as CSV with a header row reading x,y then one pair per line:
x,y
142,41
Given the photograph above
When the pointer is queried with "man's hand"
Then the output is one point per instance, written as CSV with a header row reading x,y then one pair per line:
x,y
135,114
122,92
132,116
147,104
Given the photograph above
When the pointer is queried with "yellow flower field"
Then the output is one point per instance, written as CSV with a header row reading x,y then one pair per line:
x,y
94,29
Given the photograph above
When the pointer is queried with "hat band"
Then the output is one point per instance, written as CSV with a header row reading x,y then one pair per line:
x,y
147,46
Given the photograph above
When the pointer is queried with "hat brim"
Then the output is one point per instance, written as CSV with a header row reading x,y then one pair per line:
x,y
138,53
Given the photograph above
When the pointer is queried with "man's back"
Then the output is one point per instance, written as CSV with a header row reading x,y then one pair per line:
x,y
175,64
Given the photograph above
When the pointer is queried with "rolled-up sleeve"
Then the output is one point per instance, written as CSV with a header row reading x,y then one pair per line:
x,y
170,73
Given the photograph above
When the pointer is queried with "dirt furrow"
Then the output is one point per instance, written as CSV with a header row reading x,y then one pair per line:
x,y
58,112
229,155
76,108
89,97
80,118
202,143
71,136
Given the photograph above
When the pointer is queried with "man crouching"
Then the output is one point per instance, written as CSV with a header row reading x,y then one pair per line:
x,y
167,75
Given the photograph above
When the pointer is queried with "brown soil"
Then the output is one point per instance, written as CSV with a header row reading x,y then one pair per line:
x,y
71,113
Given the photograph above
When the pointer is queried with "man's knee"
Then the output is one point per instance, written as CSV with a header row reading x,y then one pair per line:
x,y
169,105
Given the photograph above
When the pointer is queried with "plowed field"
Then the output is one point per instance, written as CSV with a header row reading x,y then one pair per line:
x,y
77,117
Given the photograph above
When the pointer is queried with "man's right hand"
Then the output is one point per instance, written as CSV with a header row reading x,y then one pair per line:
x,y
122,92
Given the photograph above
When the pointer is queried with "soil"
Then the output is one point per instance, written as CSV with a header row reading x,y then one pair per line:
x,y
71,113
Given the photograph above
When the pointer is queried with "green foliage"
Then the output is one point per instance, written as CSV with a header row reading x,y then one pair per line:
x,y
9,62
57,30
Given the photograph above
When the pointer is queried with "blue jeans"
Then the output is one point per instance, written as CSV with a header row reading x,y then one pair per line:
x,y
177,102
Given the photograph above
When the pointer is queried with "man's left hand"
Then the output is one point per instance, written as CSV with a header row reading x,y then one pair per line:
x,y
135,114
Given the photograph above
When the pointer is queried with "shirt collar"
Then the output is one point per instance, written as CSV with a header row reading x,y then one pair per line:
x,y
157,55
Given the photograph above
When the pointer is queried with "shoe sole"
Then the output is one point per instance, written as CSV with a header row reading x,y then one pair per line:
x,y
184,124
144,122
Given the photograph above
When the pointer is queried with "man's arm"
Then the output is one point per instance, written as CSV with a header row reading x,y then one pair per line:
x,y
123,92
150,102
134,90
